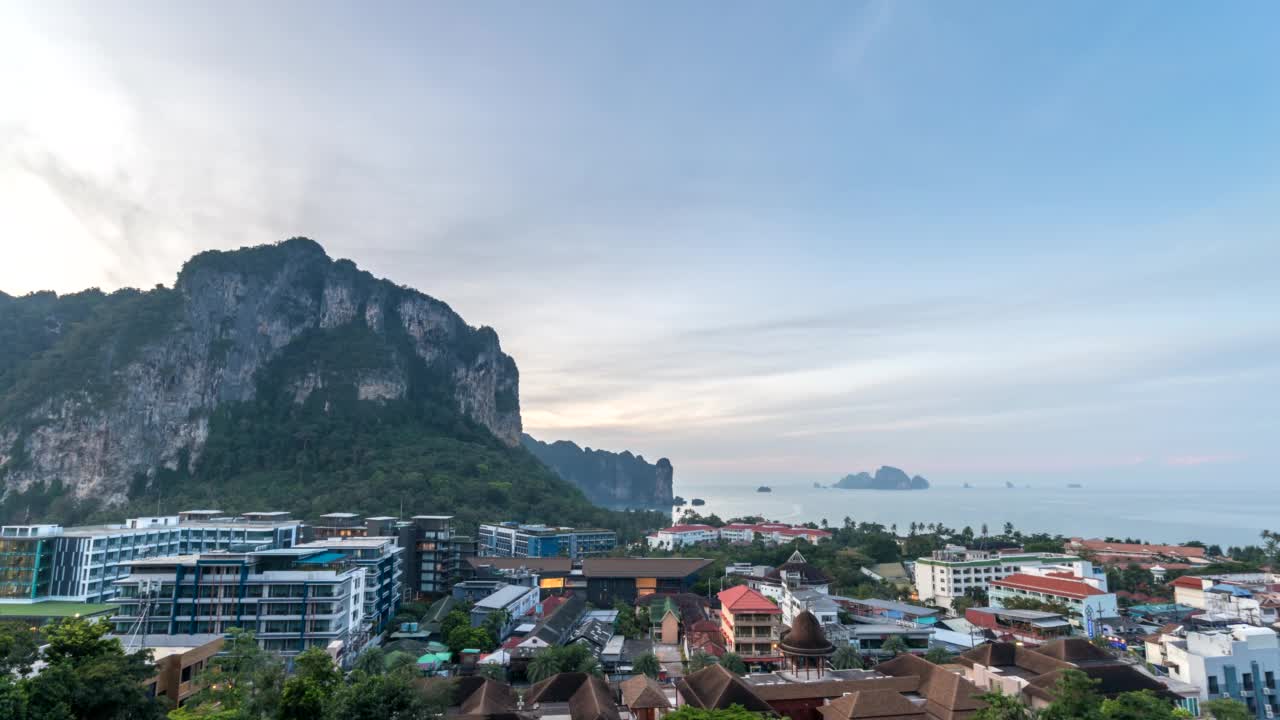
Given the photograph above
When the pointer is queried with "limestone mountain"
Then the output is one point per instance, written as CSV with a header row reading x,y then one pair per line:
x,y
618,480
886,478
270,376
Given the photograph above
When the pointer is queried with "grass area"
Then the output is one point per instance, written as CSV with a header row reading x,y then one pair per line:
x,y
53,609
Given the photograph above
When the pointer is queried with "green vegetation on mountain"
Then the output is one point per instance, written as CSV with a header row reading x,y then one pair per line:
x,y
268,378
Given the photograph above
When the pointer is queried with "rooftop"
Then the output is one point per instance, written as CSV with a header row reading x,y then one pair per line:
x,y
53,608
504,596
742,599
1076,589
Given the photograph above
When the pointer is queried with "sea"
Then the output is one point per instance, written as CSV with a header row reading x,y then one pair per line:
x,y
1159,513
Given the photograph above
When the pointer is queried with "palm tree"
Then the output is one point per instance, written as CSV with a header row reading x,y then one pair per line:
x,y
700,660
590,666
492,670
647,664
895,645
542,666
846,658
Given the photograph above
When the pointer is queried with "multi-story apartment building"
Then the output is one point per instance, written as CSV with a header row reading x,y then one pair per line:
x,y
50,562
383,563
751,625
511,539
1239,662
948,574
437,556
769,532
291,598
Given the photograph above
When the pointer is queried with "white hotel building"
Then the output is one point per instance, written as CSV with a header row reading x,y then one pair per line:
x,y
949,573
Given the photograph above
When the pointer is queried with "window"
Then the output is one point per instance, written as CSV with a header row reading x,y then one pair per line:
x,y
1213,685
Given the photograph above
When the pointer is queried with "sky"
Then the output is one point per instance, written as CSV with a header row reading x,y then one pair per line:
x,y
972,240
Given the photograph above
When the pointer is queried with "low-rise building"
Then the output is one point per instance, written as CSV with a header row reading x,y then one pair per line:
x,y
795,574
512,539
178,660
514,601
1241,597
821,605
678,536
1144,555
1238,662
291,598
955,571
1087,604
877,610
751,625
1032,627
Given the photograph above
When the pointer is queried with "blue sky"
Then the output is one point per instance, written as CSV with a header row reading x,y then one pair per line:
x,y
969,239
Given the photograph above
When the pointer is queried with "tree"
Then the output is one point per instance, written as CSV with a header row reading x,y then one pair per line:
x,y
244,680
1003,707
1225,709
733,712
388,696
894,646
542,666
1139,705
700,660
310,692
939,656
89,675
18,648
13,701
1075,697
493,671
733,663
647,664
464,637
373,661
846,658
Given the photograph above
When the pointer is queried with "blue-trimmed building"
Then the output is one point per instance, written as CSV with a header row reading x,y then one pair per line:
x,y
511,539
383,562
291,598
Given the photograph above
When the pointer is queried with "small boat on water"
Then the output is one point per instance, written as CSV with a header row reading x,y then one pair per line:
x,y
967,486
1074,485
764,488
1008,485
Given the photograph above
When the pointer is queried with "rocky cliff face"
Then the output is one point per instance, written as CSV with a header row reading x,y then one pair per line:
x,y
617,480
130,388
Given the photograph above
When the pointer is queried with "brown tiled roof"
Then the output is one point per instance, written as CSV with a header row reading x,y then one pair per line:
x,y
883,704
781,691
805,637
556,564
1112,680
485,699
810,574
1078,651
642,691
642,567
1003,654
557,688
715,688
949,694
593,701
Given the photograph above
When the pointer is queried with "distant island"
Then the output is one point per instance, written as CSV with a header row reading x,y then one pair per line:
x,y
697,502
886,478
764,488
1074,485
678,501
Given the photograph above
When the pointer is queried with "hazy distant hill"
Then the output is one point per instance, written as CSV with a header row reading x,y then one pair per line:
x,y
619,480
270,377
886,478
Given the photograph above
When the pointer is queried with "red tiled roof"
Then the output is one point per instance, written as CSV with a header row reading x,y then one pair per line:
x,y
686,528
1052,586
1188,581
1104,546
741,598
